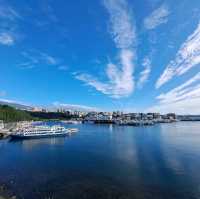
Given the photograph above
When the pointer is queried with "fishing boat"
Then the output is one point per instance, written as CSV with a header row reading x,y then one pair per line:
x,y
40,132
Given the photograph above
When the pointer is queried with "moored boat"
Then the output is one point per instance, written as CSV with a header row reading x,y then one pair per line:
x,y
72,130
40,132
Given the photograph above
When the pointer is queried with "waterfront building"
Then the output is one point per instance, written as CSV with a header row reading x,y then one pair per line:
x,y
126,116
116,114
157,116
104,116
189,117
91,116
150,116
36,109
171,116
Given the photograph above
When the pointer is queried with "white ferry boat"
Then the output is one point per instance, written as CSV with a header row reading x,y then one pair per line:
x,y
41,131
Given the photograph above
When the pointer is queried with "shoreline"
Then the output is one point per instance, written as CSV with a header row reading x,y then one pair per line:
x,y
9,127
5,193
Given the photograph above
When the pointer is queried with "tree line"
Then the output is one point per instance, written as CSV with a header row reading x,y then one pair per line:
x,y
10,114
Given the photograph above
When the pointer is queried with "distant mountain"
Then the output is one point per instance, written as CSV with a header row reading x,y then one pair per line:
x,y
16,105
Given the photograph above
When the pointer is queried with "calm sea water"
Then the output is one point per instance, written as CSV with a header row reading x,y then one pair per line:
x,y
105,161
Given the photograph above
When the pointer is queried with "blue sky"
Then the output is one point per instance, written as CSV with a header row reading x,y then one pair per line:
x,y
125,55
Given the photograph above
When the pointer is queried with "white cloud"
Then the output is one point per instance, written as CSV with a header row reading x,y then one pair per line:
x,y
35,58
74,107
187,106
26,65
187,57
181,91
157,17
48,59
6,39
120,82
183,99
120,77
8,24
8,13
91,81
144,75
122,29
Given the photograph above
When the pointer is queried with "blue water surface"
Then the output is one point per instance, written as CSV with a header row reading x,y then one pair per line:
x,y
106,161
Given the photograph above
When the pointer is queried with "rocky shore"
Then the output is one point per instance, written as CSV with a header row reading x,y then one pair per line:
x,y
5,193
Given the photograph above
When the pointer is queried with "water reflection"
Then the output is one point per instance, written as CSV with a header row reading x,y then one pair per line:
x,y
159,156
181,149
29,144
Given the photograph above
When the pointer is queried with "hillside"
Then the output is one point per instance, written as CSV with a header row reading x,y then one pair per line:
x,y
10,114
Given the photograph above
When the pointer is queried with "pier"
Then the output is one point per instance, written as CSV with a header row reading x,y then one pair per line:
x,y
5,129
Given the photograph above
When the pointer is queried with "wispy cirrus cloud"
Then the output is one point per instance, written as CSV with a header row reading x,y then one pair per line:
x,y
7,38
50,60
144,75
8,13
9,18
122,30
183,91
187,106
122,27
183,99
120,81
187,57
34,58
49,17
157,17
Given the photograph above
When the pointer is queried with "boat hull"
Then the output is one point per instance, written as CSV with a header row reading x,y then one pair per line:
x,y
15,136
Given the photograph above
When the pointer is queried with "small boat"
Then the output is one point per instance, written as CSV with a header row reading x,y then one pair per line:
x,y
40,132
72,130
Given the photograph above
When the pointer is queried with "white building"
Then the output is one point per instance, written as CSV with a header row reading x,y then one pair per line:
x,y
104,117
91,116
